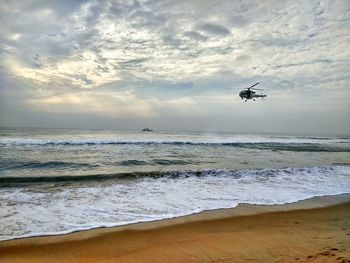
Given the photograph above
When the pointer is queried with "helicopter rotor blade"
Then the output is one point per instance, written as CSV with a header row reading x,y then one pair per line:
x,y
253,85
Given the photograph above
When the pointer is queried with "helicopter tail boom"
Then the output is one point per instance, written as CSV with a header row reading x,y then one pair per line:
x,y
259,95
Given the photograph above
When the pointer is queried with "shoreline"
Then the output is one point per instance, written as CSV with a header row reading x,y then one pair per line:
x,y
169,234
242,209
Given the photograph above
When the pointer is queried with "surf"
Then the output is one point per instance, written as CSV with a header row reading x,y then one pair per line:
x,y
300,145
176,174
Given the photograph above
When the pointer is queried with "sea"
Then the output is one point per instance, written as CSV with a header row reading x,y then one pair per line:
x,y
57,181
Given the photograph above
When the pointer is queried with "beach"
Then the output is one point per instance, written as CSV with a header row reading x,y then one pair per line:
x,y
313,230
174,131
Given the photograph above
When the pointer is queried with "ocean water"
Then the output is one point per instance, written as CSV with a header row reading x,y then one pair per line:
x,y
55,181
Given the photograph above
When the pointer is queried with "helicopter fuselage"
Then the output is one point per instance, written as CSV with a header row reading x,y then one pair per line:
x,y
249,94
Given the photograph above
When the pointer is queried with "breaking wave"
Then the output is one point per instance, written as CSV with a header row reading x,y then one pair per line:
x,y
235,174
44,165
301,145
37,208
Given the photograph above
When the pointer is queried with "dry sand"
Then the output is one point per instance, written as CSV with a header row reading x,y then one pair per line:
x,y
314,230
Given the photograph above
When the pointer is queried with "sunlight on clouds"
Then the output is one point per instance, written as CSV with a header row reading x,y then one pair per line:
x,y
184,104
113,105
15,36
44,13
63,99
82,70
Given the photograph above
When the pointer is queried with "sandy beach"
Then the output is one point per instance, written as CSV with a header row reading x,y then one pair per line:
x,y
146,131
314,230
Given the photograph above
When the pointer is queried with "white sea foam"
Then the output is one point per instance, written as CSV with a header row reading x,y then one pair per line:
x,y
159,138
57,209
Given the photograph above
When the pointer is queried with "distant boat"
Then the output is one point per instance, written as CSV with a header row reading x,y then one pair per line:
x,y
146,129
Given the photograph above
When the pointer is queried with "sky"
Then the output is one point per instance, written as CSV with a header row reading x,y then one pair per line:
x,y
176,65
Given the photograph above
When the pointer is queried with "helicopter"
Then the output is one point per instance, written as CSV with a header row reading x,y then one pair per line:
x,y
249,94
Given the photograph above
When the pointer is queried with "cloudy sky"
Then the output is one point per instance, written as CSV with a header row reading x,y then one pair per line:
x,y
176,65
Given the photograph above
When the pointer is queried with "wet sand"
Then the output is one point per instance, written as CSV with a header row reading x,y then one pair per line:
x,y
314,230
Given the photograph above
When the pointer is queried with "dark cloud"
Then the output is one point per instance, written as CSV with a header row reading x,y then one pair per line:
x,y
94,12
82,77
195,35
172,41
132,63
145,18
239,21
214,29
